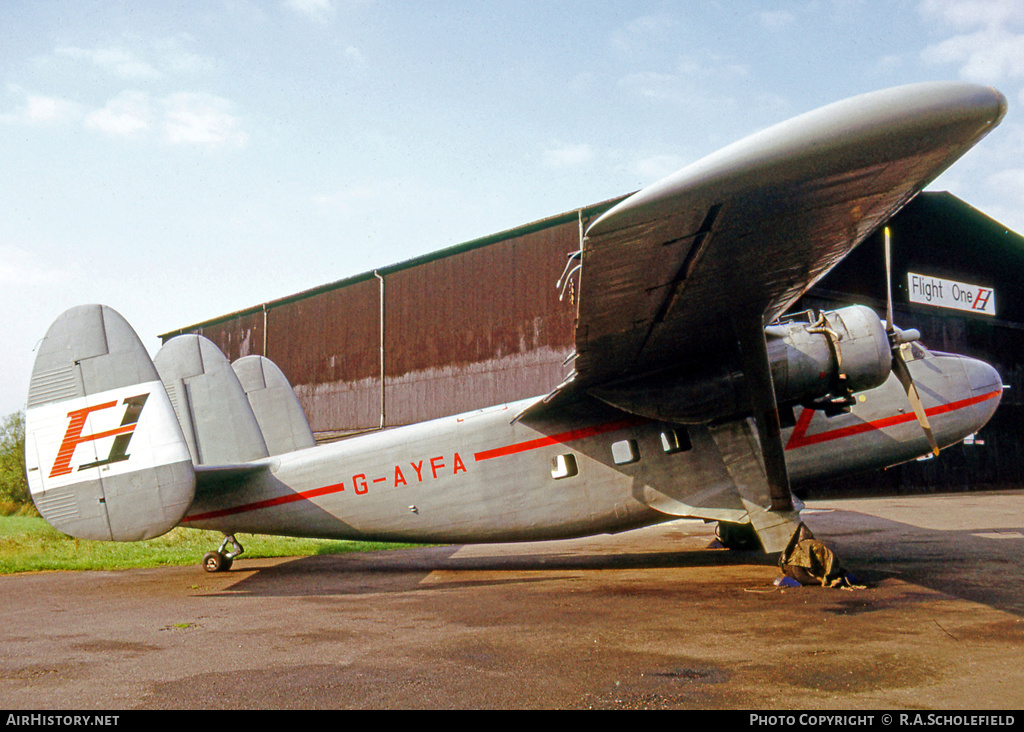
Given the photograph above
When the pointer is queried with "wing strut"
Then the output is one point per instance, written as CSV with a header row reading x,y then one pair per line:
x,y
758,375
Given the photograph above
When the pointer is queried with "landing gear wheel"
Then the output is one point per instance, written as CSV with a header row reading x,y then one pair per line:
x,y
216,562
738,537
221,560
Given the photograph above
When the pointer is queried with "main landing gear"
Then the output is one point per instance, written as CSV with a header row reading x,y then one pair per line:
x,y
221,560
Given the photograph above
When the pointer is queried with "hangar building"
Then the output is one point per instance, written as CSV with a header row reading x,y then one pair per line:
x,y
483,323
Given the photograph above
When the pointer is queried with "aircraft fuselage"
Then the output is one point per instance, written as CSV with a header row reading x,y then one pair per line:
x,y
488,477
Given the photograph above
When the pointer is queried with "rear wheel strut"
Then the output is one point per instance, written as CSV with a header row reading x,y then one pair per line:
x,y
221,560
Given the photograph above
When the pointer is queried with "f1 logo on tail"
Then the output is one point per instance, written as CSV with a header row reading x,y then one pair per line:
x,y
122,434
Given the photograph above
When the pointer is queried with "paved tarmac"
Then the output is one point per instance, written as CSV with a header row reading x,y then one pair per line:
x,y
650,619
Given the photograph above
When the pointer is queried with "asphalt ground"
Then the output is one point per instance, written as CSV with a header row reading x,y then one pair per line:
x,y
652,619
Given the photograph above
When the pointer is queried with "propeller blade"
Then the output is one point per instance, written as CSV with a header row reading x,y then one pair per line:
x,y
903,374
888,284
896,338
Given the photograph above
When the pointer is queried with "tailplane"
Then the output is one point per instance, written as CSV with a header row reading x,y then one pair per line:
x,y
105,456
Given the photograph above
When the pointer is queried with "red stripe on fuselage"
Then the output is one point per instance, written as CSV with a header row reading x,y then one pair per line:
x,y
800,438
561,437
268,503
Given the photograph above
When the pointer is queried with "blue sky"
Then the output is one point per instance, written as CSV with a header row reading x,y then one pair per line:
x,y
179,161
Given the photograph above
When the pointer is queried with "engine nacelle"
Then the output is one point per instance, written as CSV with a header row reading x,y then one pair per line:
x,y
814,363
844,351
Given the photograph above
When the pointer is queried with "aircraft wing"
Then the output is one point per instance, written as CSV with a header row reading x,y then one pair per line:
x,y
671,273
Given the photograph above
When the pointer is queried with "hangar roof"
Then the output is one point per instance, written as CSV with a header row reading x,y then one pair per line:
x,y
936,234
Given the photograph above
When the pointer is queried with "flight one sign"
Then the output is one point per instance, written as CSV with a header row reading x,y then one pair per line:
x,y
951,294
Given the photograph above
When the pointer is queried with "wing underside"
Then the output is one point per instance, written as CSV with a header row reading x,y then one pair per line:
x,y
671,273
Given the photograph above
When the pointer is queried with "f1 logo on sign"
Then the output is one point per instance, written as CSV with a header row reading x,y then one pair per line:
x,y
951,294
122,434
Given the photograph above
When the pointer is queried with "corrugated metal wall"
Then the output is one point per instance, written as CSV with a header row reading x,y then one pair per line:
x,y
469,327
495,330
328,345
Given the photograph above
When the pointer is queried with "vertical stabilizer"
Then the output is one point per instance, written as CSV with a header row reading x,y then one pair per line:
x,y
105,457
216,419
273,401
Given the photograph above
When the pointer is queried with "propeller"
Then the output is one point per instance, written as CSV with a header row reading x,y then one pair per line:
x,y
897,338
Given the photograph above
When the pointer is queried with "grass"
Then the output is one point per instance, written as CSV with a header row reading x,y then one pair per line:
x,y
29,544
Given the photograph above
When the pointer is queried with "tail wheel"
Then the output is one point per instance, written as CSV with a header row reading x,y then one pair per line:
x,y
217,562
221,560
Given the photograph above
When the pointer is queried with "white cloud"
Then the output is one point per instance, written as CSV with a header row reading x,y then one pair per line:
x,y
47,109
40,109
189,118
124,116
993,48
889,65
1010,180
319,11
986,55
117,61
201,119
185,118
974,13
159,59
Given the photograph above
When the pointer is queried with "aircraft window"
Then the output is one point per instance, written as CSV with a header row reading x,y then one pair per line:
x,y
625,452
677,440
564,466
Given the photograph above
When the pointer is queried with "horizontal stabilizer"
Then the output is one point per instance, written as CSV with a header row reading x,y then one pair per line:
x,y
221,479
273,401
105,457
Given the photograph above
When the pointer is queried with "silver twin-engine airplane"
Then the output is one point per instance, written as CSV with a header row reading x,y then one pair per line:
x,y
690,394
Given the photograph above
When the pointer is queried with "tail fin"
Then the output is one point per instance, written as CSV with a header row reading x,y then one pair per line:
x,y
105,456
273,401
215,416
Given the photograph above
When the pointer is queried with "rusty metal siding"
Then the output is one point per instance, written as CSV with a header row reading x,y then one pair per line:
x,y
329,337
479,305
327,345
237,337
477,328
465,328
